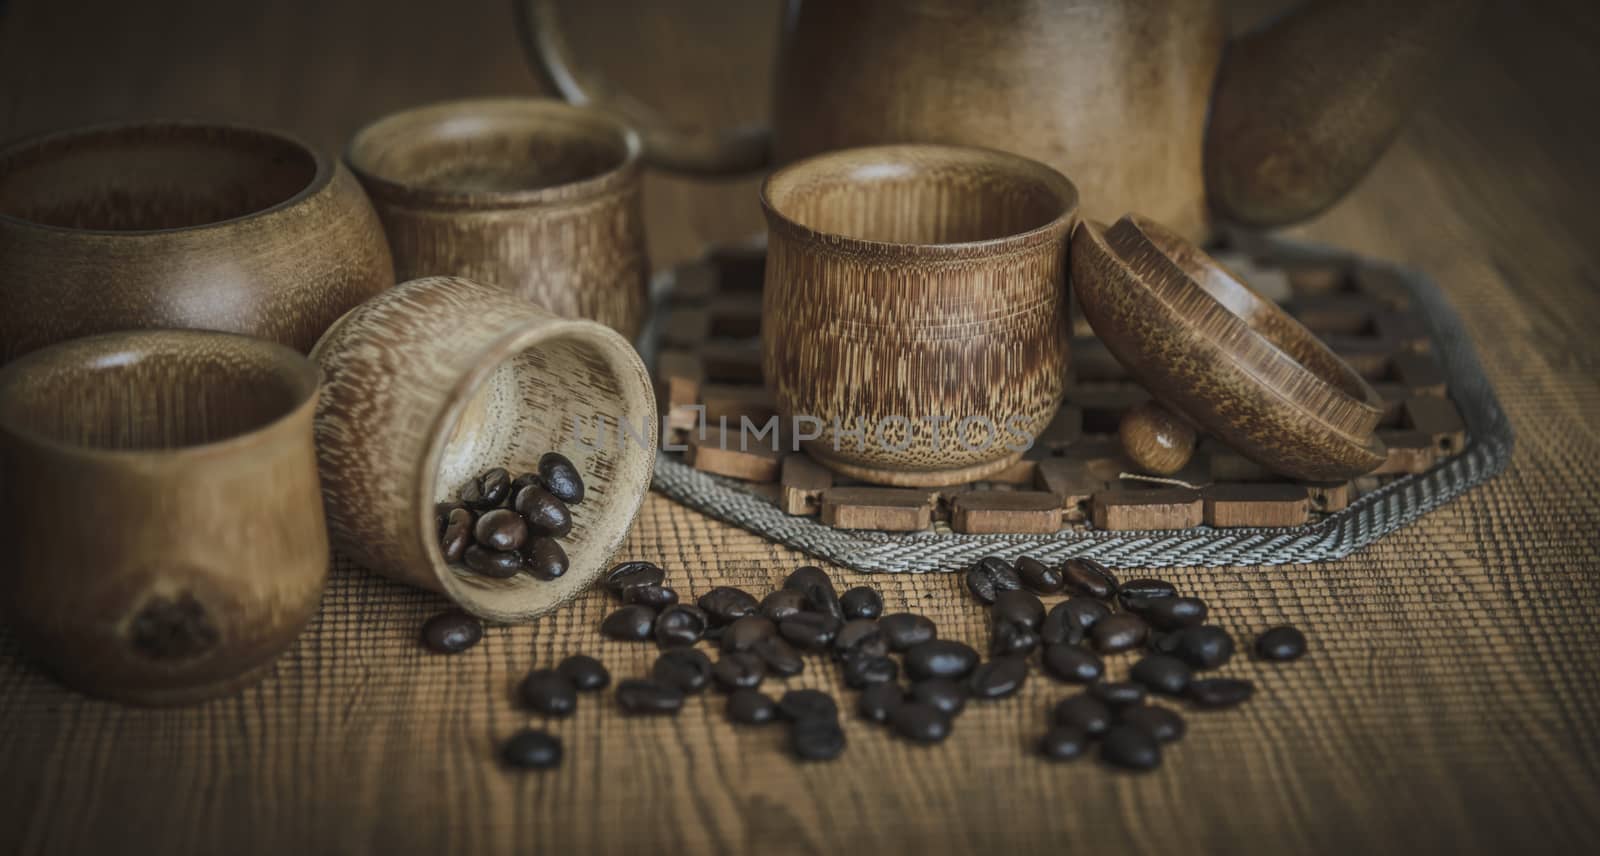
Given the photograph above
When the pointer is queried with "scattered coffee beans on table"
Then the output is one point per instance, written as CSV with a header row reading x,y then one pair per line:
x,y
451,632
532,750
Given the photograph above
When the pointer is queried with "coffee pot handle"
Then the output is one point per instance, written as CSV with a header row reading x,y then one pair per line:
x,y
729,151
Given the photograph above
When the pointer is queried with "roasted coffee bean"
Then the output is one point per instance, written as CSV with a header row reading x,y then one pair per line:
x,y
860,637
864,670
1019,607
1144,588
632,623
1281,643
548,692
532,749
739,671
726,604
561,478
920,722
817,590
990,576
816,739
800,705
879,700
545,514
1073,664
1131,748
441,513
783,603
1164,724
980,585
1061,627
1162,673
742,635
1083,611
1088,577
940,658
903,630
1165,643
1083,711
1120,632
946,695
806,576
751,707
629,574
522,481
487,491
585,672
489,562
781,657
639,696
998,678
457,535
678,625
1007,638
451,632
1205,647
656,596
545,558
684,668
1063,743
1118,694
501,529
1038,577
1220,692
809,631
1169,613
861,602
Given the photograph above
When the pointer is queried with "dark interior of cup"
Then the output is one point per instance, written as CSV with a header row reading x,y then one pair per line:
x,y
153,390
920,194
148,177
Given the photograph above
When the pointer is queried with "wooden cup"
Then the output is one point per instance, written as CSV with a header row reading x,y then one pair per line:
x,y
916,306
158,490
536,196
172,224
440,379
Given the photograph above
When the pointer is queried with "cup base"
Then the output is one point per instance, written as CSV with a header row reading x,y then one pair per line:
x,y
912,478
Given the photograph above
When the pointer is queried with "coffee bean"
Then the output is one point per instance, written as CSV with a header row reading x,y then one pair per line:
x,y
783,603
1165,643
1169,613
532,749
522,481
561,478
487,491
799,705
904,630
809,631
684,668
781,657
1281,643
751,707
998,678
1019,607
816,739
457,535
1120,632
1118,694
726,604
743,634
920,722
1145,588
1164,724
879,700
1220,692
1063,743
860,637
1088,577
1162,673
1073,664
806,576
817,589
545,558
585,672
441,513
1007,638
678,625
940,658
1083,611
500,529
545,514
739,671
488,562
990,576
451,632
1085,712
629,574
861,602
1205,647
656,596
1131,748
639,696
547,691
980,585
1038,577
1061,627
631,623
864,670
946,695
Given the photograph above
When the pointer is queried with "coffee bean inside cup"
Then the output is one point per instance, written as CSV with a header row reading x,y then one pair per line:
x,y
502,526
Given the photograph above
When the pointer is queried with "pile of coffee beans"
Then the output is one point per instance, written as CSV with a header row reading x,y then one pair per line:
x,y
502,526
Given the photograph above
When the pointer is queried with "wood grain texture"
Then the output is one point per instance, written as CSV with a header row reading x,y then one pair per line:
x,y
1447,705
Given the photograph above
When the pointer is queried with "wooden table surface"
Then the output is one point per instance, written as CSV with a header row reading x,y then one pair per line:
x,y
1448,704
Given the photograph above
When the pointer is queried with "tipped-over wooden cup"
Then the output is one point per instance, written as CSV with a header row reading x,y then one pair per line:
x,y
171,224
916,307
158,493
533,195
430,384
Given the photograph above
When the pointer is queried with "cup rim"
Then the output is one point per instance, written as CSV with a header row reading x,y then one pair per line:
x,y
321,176
1053,229
610,179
